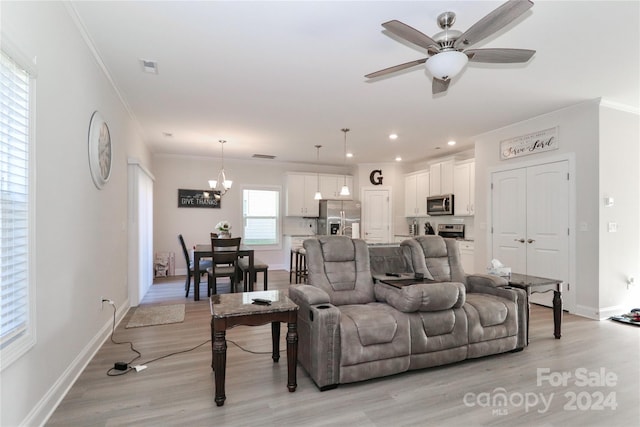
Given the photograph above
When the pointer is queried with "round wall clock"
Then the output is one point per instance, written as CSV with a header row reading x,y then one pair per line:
x,y
99,150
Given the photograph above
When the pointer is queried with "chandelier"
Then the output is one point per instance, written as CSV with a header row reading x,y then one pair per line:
x,y
221,184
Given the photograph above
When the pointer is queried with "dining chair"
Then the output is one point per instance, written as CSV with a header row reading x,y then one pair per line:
x,y
204,265
225,262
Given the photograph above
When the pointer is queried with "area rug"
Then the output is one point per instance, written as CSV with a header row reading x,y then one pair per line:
x,y
156,315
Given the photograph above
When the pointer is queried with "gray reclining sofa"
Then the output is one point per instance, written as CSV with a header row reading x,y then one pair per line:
x,y
352,328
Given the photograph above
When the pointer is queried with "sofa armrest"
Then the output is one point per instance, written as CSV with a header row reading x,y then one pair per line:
x,y
318,335
485,280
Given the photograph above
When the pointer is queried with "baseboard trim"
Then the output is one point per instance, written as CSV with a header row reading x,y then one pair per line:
x,y
41,412
607,312
588,312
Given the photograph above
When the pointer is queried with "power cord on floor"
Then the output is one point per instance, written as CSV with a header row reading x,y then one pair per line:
x,y
122,368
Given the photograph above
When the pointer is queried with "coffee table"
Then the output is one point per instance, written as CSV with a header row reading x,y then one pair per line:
x,y
530,284
229,310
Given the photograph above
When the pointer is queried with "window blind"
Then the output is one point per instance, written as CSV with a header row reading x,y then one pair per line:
x,y
261,217
14,200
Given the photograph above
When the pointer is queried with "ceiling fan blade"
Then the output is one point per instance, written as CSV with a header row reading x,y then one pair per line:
x,y
396,68
439,86
499,56
410,34
494,21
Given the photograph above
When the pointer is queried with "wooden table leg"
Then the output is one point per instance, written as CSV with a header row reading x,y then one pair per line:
x,y
219,348
292,355
196,277
557,313
275,338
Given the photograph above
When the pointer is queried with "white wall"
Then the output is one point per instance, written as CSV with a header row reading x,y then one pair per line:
x,y
81,236
195,224
620,179
582,140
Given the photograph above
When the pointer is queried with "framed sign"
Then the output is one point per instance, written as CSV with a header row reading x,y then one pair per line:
x,y
198,199
532,143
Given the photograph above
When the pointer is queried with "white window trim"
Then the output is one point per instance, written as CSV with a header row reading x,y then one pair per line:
x,y
277,188
21,345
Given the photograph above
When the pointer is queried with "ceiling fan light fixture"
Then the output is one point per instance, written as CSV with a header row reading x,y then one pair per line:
x,y
446,65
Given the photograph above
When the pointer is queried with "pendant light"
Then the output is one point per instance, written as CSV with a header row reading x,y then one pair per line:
x,y
225,183
345,189
318,195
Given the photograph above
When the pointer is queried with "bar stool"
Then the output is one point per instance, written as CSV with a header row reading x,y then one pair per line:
x,y
258,267
293,267
301,265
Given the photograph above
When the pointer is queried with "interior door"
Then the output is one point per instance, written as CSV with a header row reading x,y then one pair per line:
x,y
376,214
530,222
548,224
509,213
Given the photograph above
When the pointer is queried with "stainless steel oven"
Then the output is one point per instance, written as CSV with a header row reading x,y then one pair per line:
x,y
454,231
440,205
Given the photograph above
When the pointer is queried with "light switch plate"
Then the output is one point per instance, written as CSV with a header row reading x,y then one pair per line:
x,y
613,227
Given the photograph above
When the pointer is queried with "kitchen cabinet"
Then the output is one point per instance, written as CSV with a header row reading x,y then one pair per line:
x,y
464,188
466,255
441,178
416,190
330,186
301,189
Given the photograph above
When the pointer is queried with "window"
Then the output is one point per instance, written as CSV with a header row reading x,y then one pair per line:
x,y
16,297
260,211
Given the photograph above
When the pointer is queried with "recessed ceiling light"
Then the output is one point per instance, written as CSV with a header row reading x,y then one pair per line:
x,y
393,136
349,154
451,143
398,159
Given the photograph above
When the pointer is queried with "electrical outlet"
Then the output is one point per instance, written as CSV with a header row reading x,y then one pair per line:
x,y
103,301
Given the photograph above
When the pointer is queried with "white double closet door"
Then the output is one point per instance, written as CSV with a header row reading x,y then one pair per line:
x,y
530,222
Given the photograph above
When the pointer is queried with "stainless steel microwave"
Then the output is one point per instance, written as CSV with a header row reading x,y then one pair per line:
x,y
440,205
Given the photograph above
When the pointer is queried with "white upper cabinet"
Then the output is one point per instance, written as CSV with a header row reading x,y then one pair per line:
x,y
464,188
416,190
441,178
330,186
301,189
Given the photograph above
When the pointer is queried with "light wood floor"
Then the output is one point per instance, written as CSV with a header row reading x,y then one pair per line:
x,y
178,390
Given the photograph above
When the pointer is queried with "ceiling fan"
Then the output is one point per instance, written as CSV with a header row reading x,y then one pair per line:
x,y
448,53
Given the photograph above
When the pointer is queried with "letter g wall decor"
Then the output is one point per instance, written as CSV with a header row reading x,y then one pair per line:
x,y
376,177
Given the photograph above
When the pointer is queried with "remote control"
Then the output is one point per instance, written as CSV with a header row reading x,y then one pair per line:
x,y
261,301
393,274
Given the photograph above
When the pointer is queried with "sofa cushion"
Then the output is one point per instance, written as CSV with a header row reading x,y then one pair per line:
x,y
370,332
422,296
491,310
339,266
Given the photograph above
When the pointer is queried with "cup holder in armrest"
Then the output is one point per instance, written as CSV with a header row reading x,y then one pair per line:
x,y
320,307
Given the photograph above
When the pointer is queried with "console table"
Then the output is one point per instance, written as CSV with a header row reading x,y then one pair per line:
x,y
530,284
229,310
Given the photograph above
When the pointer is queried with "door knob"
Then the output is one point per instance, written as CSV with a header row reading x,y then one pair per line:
x,y
519,240
530,241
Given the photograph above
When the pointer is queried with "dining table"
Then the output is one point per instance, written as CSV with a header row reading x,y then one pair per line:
x,y
204,251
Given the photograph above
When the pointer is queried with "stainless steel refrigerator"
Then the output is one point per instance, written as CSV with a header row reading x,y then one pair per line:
x,y
341,217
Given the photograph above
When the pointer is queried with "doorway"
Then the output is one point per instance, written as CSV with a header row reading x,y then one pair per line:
x,y
376,215
530,223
